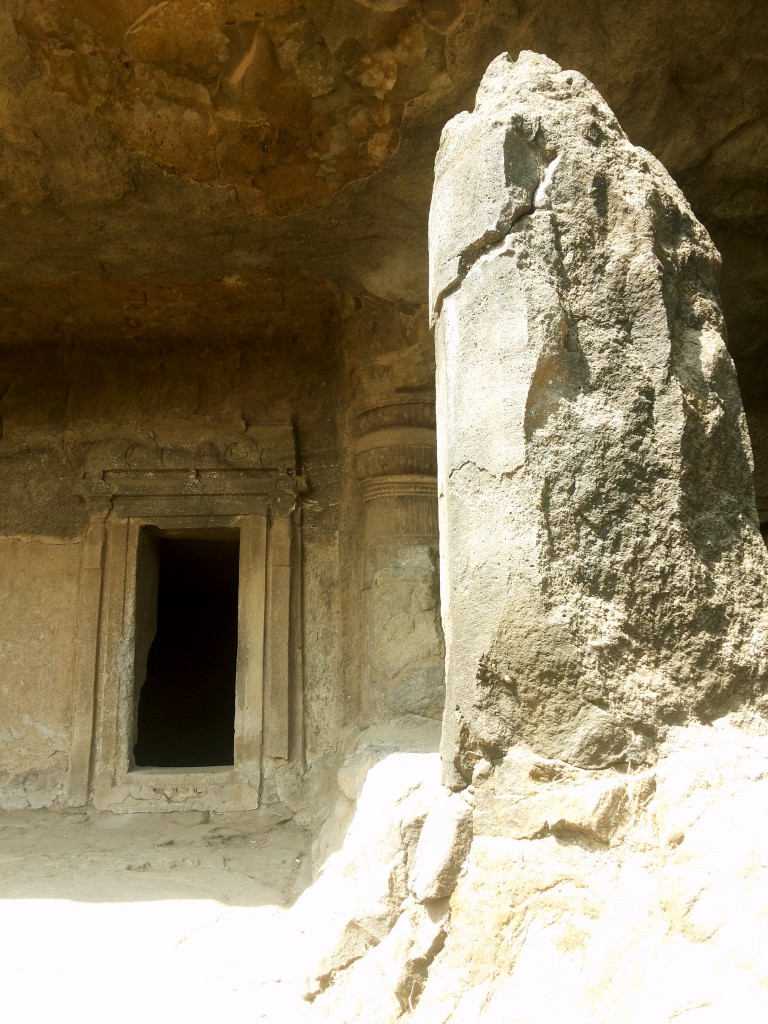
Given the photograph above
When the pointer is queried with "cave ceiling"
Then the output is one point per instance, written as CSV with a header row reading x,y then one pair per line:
x,y
164,163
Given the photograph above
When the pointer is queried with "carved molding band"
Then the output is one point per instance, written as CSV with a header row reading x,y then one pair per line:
x,y
399,486
402,414
399,445
396,468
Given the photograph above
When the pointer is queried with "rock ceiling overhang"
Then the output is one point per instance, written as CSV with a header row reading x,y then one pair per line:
x,y
186,141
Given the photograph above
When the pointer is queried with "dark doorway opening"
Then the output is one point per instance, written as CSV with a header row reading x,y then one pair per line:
x,y
186,710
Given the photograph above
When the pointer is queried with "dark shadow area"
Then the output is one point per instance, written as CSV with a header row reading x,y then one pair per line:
x,y
187,703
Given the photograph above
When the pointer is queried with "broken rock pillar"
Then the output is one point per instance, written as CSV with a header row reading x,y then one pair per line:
x,y
602,571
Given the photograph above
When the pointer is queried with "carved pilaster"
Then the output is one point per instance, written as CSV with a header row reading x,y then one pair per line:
x,y
396,467
86,665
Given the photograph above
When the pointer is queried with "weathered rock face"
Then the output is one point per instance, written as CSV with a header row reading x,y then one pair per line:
x,y
642,893
203,137
656,919
603,572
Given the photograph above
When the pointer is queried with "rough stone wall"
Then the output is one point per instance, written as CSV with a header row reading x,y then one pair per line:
x,y
603,573
141,139
757,420
66,405
272,348
38,633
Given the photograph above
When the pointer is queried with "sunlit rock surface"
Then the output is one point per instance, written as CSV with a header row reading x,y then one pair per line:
x,y
591,895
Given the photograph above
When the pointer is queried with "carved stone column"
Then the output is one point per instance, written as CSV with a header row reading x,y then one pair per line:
x,y
396,465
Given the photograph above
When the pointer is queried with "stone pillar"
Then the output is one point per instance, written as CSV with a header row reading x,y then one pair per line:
x,y
396,466
601,564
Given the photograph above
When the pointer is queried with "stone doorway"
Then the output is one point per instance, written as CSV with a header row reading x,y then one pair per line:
x,y
186,615
207,524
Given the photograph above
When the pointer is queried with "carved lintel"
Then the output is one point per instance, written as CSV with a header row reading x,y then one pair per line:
x,y
227,472
159,482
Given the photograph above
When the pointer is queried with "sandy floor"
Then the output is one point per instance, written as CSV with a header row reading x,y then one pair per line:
x,y
149,917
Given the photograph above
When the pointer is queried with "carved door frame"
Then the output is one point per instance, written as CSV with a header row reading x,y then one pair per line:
x,y
262,506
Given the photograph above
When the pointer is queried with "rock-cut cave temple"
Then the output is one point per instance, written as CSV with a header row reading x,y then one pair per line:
x,y
218,457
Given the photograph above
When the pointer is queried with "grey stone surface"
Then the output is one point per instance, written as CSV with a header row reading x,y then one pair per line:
x,y
405,640
602,570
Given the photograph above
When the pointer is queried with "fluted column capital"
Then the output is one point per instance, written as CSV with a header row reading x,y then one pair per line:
x,y
395,453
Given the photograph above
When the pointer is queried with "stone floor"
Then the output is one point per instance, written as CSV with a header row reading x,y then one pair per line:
x,y
149,917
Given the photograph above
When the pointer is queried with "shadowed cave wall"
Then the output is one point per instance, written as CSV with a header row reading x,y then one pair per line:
x,y
214,218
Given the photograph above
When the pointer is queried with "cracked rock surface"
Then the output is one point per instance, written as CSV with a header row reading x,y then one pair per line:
x,y
659,920
586,895
594,463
